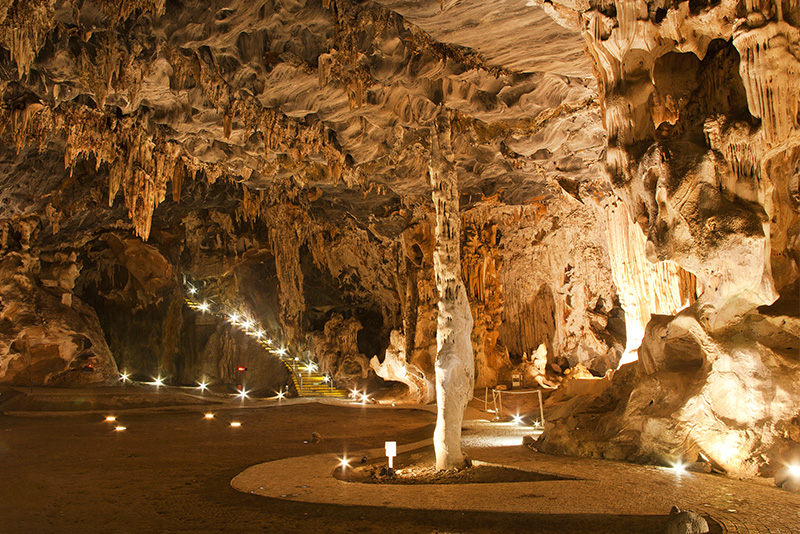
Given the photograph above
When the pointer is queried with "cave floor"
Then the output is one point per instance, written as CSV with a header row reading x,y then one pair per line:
x,y
64,470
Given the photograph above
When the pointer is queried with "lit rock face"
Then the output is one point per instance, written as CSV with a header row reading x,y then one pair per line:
x,y
455,366
277,155
700,103
50,337
336,352
396,368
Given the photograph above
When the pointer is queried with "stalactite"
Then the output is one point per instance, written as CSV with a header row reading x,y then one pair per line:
x,y
644,288
771,73
481,262
24,25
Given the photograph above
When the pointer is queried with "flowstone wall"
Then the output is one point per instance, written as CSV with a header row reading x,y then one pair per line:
x,y
700,102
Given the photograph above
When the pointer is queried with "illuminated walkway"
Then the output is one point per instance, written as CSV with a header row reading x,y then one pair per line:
x,y
592,488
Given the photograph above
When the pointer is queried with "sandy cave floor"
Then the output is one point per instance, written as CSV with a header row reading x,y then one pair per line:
x,y
64,470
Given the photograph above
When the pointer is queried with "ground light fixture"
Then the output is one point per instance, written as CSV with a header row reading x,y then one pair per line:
x,y
391,452
203,307
518,419
280,395
344,463
236,424
794,470
242,394
123,377
209,415
111,418
158,382
679,467
119,428
202,386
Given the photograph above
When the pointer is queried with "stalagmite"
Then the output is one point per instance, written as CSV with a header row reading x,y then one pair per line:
x,y
455,374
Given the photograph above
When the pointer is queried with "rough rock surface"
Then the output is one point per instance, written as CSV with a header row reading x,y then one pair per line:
x,y
274,156
700,103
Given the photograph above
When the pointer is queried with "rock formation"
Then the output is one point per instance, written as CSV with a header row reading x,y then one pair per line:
x,y
639,202
701,108
455,365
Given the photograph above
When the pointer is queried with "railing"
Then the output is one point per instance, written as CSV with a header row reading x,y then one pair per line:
x,y
497,401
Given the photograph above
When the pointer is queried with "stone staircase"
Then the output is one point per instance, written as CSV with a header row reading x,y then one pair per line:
x,y
307,380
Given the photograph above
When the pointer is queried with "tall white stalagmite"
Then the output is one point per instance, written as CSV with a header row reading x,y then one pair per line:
x,y
455,368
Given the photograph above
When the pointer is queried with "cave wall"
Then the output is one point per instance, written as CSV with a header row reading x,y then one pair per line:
x,y
700,103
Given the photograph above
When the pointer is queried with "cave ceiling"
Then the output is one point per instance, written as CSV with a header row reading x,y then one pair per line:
x,y
115,113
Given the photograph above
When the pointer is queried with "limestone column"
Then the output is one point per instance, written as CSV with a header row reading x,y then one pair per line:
x,y
455,368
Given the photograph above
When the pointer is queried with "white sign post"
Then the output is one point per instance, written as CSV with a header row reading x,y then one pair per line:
x,y
391,452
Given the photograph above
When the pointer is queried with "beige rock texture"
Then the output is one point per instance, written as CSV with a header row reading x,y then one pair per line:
x,y
701,109
626,176
455,362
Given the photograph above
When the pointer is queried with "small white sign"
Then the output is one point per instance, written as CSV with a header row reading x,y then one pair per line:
x,y
391,452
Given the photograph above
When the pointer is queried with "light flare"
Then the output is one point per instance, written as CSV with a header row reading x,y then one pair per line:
x,y
679,467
